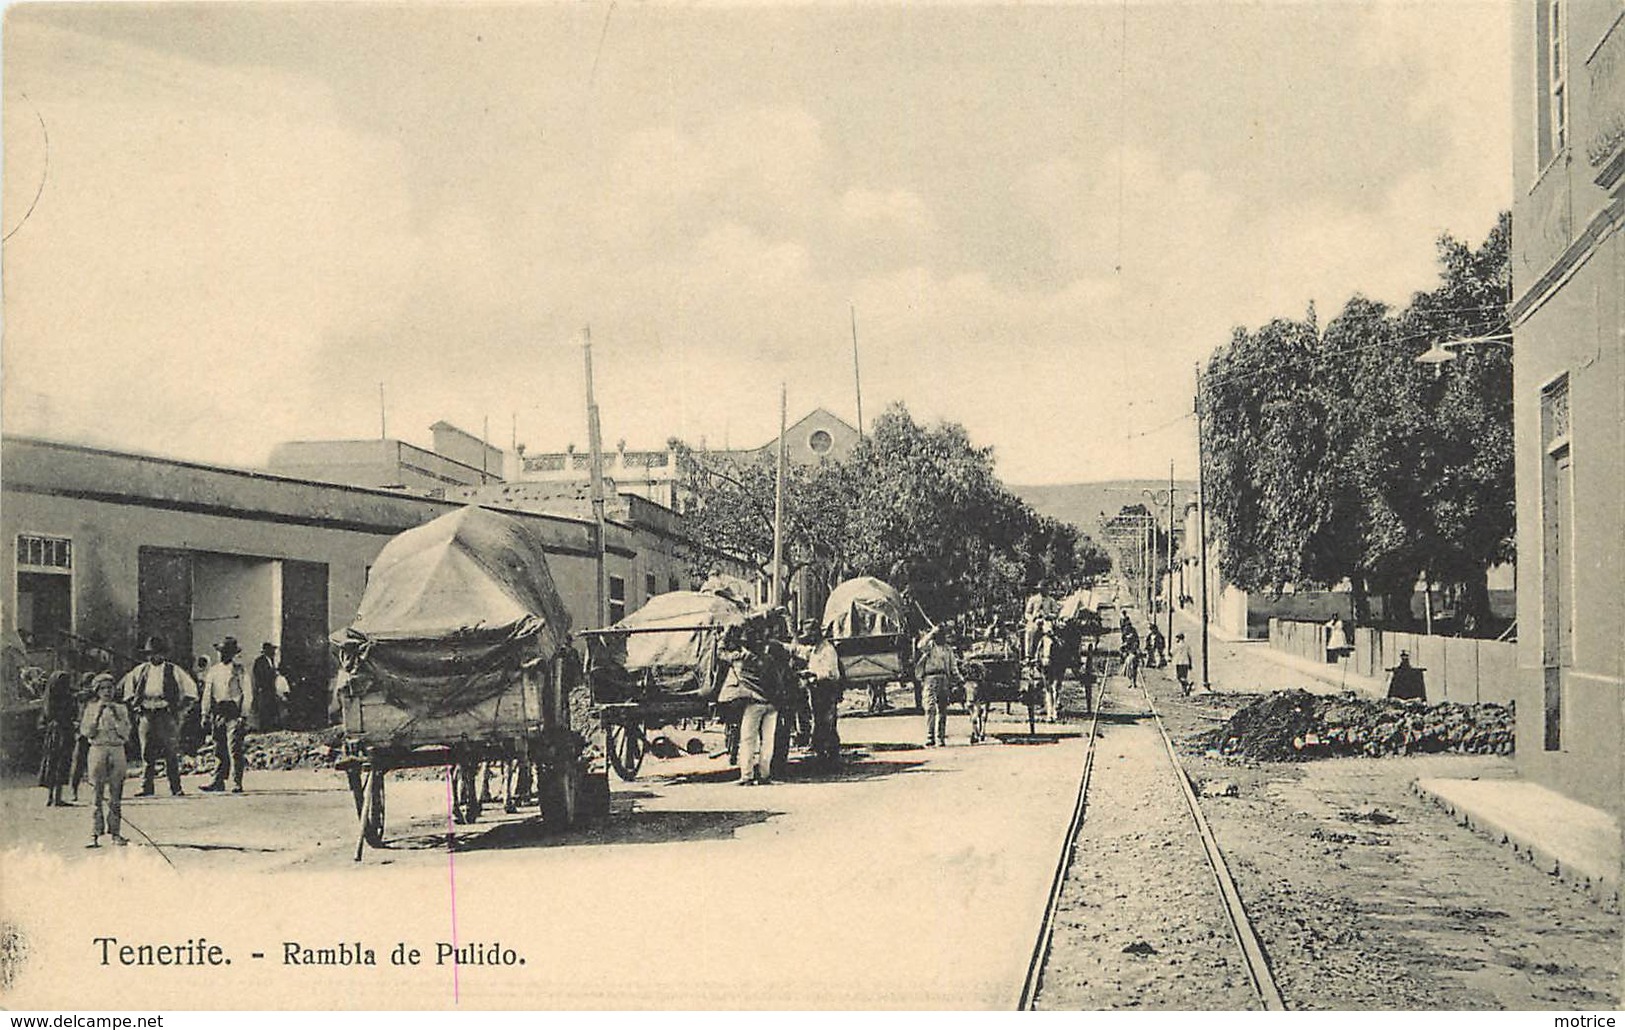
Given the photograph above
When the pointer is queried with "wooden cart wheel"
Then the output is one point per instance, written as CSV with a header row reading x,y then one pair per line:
x,y
372,809
465,793
352,775
626,748
561,796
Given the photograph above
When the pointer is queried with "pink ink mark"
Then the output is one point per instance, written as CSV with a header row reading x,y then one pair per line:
x,y
451,877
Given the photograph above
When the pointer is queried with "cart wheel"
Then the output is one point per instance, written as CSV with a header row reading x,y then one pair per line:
x,y
561,796
352,775
465,793
372,809
626,748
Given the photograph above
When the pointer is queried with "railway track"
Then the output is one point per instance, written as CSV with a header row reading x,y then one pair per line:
x,y
1252,957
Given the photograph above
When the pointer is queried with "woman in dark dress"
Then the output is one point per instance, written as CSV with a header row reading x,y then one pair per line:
x,y
57,733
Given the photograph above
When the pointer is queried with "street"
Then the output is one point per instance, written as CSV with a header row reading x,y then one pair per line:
x,y
913,879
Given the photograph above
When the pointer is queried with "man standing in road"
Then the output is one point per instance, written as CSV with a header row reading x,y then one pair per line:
x,y
823,667
937,671
224,700
105,725
160,693
758,719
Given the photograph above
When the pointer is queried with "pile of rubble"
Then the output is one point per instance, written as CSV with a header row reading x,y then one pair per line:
x,y
1295,725
280,749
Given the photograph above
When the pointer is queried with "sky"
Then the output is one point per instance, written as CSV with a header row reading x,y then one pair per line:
x,y
227,224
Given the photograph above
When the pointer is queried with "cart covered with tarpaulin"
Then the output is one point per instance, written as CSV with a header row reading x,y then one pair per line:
x,y
867,621
657,666
458,656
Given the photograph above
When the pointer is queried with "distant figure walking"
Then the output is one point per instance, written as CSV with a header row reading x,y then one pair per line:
x,y
937,670
1181,656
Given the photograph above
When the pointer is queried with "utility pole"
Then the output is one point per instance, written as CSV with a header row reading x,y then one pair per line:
x,y
1169,594
596,446
778,506
383,425
857,376
1201,516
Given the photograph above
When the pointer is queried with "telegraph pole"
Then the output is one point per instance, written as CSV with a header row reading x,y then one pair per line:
x,y
596,446
1169,595
778,506
857,375
1201,516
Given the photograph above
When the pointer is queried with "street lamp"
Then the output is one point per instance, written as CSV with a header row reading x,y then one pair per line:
x,y
1441,351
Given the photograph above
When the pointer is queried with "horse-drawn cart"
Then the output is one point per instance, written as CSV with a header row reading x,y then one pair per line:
x,y
458,657
867,621
656,667
994,667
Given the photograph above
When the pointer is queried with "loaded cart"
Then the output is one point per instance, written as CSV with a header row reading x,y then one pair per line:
x,y
657,666
458,658
867,621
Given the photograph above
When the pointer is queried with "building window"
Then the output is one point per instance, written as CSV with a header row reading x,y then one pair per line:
x,y
820,441
1553,116
671,583
44,589
648,584
617,598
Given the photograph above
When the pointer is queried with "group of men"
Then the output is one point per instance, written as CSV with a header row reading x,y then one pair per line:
x,y
152,703
780,688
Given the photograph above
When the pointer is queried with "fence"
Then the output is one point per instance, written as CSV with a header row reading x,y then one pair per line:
x,y
1455,668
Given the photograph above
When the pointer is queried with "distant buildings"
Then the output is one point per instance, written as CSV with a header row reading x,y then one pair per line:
x,y
654,474
1568,269
105,547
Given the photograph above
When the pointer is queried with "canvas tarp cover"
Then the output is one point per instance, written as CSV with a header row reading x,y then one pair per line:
x,y
864,607
679,661
452,611
1072,604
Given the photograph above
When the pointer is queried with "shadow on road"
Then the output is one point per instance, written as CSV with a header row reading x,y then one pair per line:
x,y
857,768
623,827
188,846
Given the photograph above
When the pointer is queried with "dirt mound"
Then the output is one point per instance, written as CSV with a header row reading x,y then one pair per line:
x,y
1294,725
281,749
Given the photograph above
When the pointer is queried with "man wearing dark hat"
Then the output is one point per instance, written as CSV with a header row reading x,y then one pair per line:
x,y
159,693
1406,682
226,696
263,707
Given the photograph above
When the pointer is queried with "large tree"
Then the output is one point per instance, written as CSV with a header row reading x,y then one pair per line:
x,y
918,506
1333,455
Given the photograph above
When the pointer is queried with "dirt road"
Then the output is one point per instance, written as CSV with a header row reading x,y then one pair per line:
x,y
914,879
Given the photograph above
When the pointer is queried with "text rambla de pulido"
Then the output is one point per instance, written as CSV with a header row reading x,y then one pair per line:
x,y
199,951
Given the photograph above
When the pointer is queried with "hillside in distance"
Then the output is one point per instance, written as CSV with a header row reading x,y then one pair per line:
x,y
1082,503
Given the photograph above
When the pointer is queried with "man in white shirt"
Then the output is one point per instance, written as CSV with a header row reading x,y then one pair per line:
x,y
1032,617
159,693
227,697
